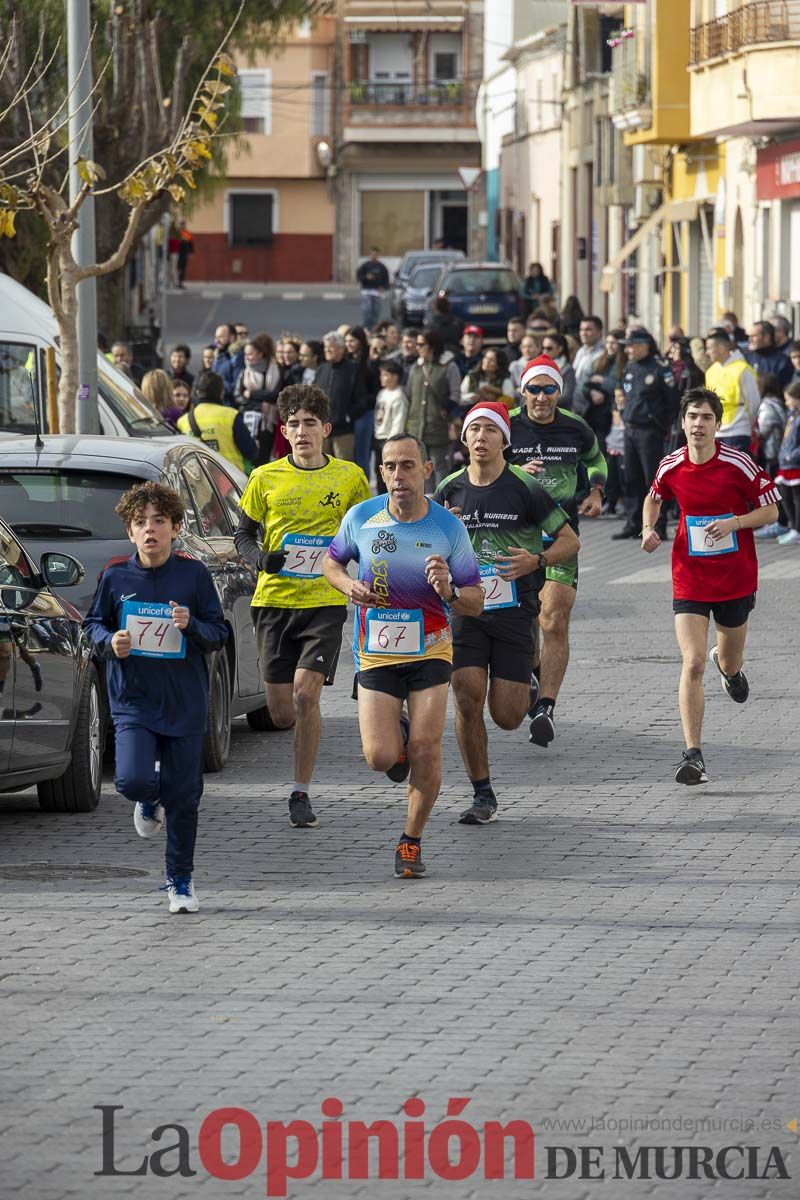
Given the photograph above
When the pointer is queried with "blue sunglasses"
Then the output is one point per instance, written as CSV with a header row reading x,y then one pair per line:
x,y
549,389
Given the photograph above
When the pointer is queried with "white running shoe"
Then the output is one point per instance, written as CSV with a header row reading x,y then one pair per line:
x,y
791,538
182,897
148,819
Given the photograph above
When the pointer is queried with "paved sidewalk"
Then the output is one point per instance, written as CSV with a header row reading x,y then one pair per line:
x,y
614,947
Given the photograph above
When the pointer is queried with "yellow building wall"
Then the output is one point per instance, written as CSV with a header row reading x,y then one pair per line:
x,y
304,206
669,78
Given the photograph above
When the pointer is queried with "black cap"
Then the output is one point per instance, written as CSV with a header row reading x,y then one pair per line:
x,y
638,337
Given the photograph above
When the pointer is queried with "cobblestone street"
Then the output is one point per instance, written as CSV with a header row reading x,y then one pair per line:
x,y
614,948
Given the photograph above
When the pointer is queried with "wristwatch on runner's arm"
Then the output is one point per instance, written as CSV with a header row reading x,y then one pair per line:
x,y
455,594
543,563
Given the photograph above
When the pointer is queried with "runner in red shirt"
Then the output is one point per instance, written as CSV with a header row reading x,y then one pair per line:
x,y
723,496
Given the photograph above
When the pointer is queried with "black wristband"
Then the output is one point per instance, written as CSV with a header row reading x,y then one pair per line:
x,y
271,563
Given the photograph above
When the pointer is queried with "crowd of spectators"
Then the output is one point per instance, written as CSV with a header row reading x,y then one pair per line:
x,y
626,386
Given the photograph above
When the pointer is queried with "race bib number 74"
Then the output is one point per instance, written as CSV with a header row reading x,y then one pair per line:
x,y
152,633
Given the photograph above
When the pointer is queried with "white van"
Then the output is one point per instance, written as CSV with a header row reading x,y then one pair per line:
x,y
27,328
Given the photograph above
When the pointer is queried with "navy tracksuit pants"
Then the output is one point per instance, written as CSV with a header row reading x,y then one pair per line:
x,y
153,768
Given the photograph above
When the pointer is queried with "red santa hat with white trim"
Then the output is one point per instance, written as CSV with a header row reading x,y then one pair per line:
x,y
543,365
493,411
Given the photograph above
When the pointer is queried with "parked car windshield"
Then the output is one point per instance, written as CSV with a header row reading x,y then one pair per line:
x,y
129,404
424,278
18,386
475,282
39,504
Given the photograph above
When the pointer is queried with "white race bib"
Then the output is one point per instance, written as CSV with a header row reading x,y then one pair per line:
x,y
702,543
304,555
394,631
497,592
152,633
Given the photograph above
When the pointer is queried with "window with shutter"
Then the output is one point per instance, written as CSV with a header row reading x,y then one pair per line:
x,y
256,92
250,218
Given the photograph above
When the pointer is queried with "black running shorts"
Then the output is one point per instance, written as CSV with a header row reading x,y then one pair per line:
x,y
406,677
730,614
500,642
288,638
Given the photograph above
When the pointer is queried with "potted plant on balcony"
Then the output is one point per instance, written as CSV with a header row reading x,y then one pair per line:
x,y
358,91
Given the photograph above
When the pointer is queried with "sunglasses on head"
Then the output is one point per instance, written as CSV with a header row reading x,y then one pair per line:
x,y
549,389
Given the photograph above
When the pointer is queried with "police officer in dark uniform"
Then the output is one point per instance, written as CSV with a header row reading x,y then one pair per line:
x,y
650,403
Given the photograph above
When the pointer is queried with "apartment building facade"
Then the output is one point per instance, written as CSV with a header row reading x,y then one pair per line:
x,y
271,217
409,75
529,224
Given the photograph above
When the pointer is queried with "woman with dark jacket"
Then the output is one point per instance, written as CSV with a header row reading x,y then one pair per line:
x,y
357,346
602,384
447,324
292,371
256,390
434,393
571,316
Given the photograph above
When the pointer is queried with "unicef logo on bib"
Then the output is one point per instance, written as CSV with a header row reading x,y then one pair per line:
x,y
702,544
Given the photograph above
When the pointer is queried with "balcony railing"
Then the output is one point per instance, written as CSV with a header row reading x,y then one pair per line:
x,y
762,21
437,95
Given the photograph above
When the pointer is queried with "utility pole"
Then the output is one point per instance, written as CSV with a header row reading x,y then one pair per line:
x,y
79,88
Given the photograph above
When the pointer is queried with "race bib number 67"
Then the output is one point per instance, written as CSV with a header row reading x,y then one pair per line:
x,y
152,633
394,631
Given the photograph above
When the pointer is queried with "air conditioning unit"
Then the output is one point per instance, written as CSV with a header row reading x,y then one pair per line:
x,y
645,167
646,199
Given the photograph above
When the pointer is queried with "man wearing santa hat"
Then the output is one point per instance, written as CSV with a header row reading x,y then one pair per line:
x,y
506,513
551,444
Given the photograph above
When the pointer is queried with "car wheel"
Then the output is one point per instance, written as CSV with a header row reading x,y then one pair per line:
x,y
218,731
260,720
78,789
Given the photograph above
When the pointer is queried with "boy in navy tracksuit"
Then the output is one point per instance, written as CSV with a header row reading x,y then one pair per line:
x,y
154,618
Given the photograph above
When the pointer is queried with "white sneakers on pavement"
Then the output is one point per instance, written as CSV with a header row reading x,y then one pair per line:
x,y
148,819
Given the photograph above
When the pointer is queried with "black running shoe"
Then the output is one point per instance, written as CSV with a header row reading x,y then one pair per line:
x,y
736,686
408,862
543,728
534,697
692,769
399,772
300,814
625,534
482,811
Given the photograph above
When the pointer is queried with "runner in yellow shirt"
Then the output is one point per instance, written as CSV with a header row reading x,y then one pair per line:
x,y
299,502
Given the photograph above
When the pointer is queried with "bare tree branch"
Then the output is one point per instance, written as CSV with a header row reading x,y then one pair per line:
x,y
117,259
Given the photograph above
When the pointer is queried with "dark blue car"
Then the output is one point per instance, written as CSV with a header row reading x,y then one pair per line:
x,y
484,294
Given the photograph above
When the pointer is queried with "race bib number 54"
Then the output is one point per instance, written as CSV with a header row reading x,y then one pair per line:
x,y
304,555
394,631
152,633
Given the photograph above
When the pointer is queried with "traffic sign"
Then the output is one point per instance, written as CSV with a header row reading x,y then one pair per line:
x,y
469,176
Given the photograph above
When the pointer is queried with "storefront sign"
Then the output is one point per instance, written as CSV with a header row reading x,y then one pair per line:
x,y
778,172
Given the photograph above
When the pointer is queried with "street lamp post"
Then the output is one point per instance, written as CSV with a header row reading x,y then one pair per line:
x,y
79,89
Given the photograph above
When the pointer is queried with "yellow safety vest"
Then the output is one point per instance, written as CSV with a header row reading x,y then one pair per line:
x,y
216,430
724,379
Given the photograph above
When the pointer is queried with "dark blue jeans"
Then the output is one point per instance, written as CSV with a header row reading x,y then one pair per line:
x,y
153,768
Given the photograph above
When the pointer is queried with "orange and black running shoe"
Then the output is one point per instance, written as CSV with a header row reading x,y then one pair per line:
x,y
408,862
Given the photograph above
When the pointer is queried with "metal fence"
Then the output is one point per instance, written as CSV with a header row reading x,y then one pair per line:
x,y
439,95
749,25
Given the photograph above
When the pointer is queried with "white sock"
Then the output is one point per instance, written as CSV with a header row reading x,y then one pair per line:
x,y
301,787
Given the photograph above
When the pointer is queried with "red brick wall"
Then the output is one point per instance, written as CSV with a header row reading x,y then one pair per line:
x,y
291,258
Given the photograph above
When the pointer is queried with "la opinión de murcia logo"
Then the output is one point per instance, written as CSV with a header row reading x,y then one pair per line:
x,y
232,1145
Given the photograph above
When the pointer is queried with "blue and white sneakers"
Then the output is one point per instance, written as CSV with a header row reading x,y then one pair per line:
x,y
148,819
181,895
